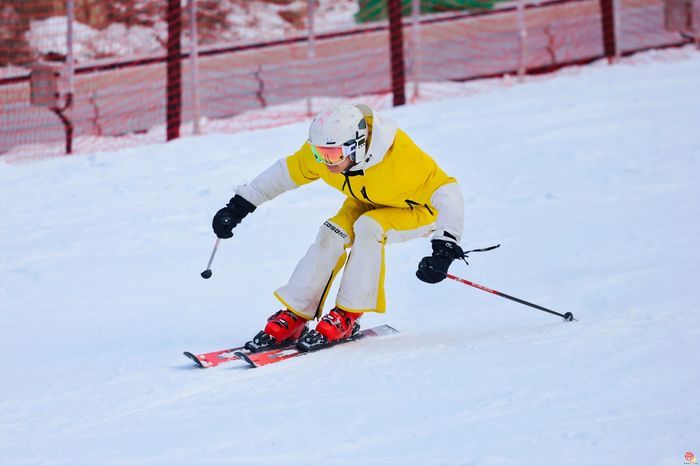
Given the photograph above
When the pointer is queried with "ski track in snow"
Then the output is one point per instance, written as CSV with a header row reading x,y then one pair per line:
x,y
588,178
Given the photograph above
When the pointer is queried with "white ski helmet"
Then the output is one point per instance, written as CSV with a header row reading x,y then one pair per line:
x,y
343,126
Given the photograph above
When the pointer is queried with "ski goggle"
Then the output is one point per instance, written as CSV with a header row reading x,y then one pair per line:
x,y
333,155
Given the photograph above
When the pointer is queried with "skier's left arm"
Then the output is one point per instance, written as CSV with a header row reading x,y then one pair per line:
x,y
449,203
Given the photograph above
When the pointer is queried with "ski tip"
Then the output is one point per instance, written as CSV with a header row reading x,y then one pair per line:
x,y
194,359
245,357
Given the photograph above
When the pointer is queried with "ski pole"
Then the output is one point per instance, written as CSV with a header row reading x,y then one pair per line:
x,y
567,316
207,273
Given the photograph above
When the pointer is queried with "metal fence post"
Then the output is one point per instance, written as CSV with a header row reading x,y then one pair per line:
x,y
617,15
174,70
398,73
194,65
70,71
415,47
522,39
311,53
607,13
70,57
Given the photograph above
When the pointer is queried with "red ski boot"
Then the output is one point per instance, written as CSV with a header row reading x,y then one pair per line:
x,y
283,328
339,325
335,327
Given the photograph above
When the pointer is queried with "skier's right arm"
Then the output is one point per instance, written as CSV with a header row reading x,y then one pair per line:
x,y
286,174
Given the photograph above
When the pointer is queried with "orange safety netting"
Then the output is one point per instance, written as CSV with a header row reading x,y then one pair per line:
x,y
263,63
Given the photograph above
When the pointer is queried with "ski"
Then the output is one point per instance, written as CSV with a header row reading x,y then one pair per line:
x,y
214,358
281,354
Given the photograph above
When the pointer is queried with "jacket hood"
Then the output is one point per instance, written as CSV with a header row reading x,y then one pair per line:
x,y
381,138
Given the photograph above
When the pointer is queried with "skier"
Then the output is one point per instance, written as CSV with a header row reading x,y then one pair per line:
x,y
395,192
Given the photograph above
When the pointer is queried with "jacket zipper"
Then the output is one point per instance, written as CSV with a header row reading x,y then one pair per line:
x,y
347,183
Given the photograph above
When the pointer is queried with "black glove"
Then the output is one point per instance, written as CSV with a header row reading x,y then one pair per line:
x,y
432,269
230,216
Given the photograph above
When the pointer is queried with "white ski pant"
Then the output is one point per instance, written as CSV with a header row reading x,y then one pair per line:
x,y
366,229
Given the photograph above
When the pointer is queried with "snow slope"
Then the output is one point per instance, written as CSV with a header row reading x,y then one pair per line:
x,y
589,179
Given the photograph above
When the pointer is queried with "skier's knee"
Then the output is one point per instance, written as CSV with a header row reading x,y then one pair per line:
x,y
366,227
331,236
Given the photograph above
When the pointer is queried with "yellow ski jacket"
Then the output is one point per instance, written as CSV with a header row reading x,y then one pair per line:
x,y
394,173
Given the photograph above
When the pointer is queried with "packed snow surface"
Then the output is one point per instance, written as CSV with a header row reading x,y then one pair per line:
x,y
588,179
